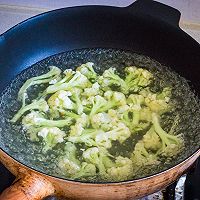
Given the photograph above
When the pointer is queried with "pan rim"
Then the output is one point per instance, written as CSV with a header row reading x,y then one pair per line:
x,y
105,183
197,151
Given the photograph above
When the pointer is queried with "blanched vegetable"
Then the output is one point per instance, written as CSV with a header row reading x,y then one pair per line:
x,y
52,75
40,105
51,137
88,71
68,163
78,80
88,116
171,144
136,79
38,120
122,169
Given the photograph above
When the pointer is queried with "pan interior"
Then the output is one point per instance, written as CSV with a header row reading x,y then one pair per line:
x,y
14,141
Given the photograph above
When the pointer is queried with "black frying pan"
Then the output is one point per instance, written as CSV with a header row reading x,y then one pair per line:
x,y
145,27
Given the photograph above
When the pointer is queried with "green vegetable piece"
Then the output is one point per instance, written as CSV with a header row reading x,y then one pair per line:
x,y
88,71
111,99
119,133
53,74
136,79
99,104
76,93
109,79
142,158
86,170
68,163
40,105
151,140
122,169
171,144
85,136
92,91
99,157
78,80
38,120
50,137
158,102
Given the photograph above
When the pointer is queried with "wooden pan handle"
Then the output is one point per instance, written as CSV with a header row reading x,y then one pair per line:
x,y
31,187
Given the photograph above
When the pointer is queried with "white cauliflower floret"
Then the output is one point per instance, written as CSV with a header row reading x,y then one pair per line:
x,y
69,72
98,157
79,126
38,120
103,139
40,105
122,170
93,91
123,109
120,133
88,71
117,98
32,119
102,121
69,166
68,163
76,80
51,137
61,100
90,154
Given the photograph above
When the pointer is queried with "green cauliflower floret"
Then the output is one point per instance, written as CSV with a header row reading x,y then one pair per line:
x,y
135,100
136,79
109,79
158,102
59,102
32,132
141,157
52,75
76,94
40,105
87,137
165,94
86,170
102,121
69,73
77,81
145,114
92,91
80,125
98,157
121,109
88,71
171,144
98,104
131,117
68,163
119,133
50,137
38,120
122,169
115,115
110,100
115,99
151,140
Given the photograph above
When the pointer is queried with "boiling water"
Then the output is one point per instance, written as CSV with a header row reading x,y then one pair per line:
x,y
16,143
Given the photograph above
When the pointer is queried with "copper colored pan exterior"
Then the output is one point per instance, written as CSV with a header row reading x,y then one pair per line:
x,y
32,185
